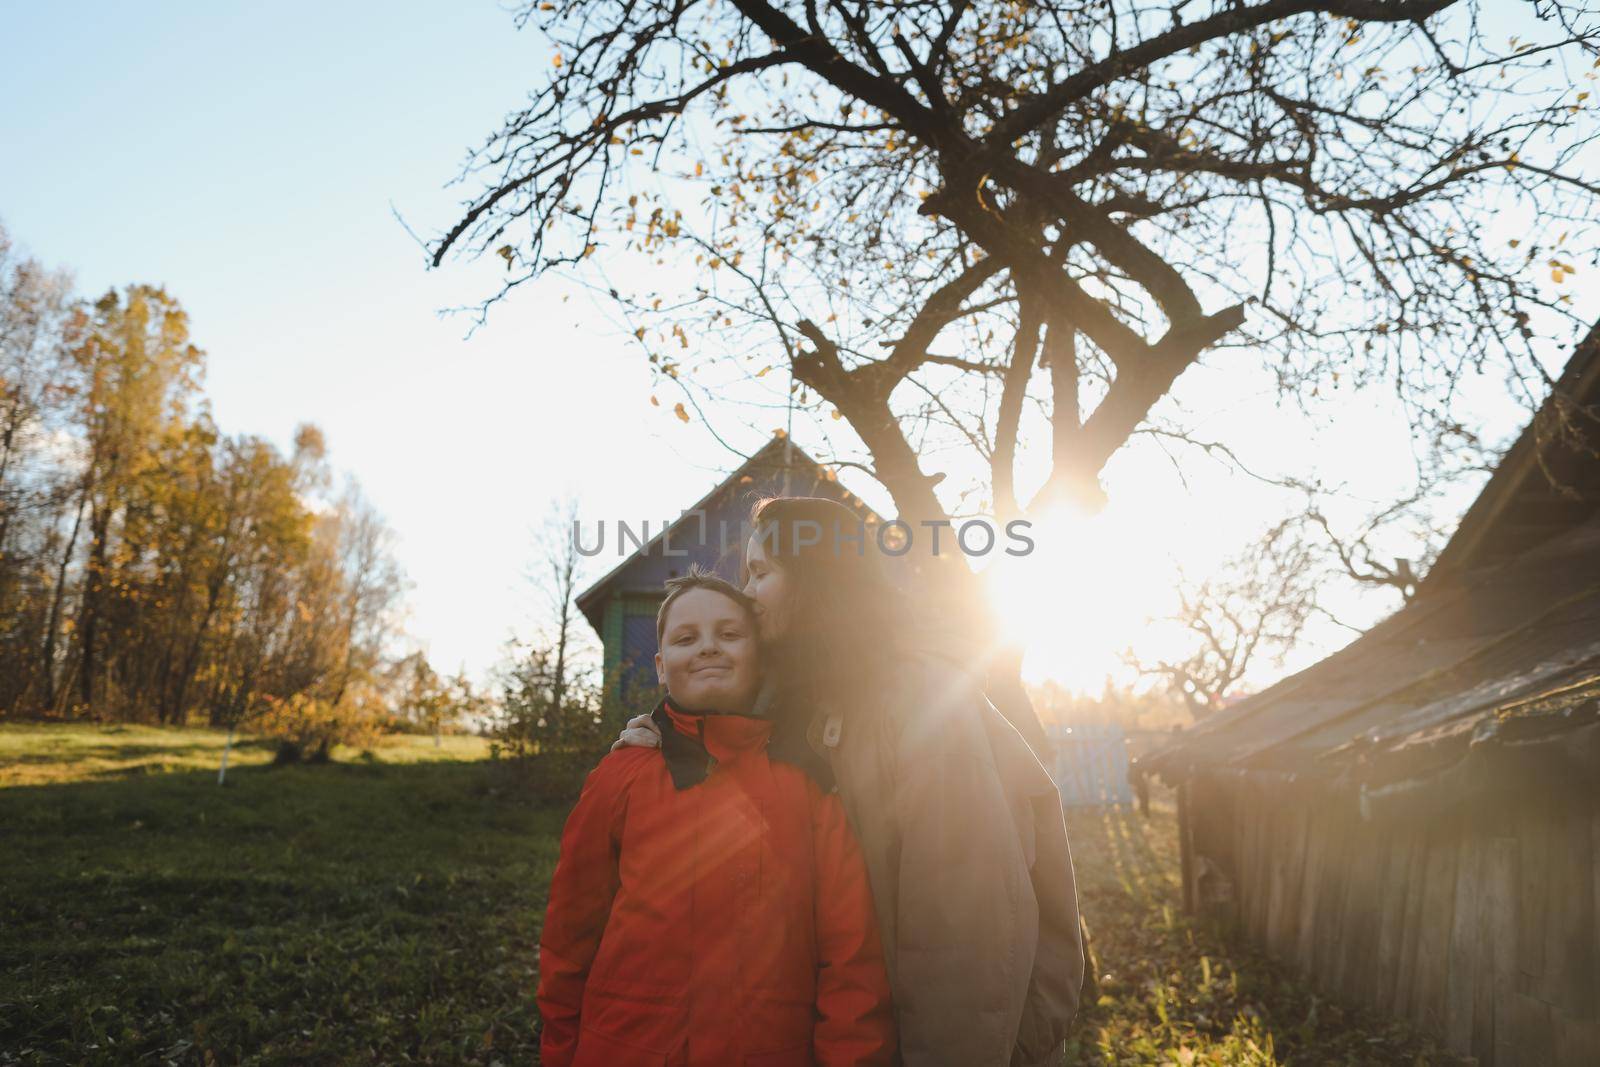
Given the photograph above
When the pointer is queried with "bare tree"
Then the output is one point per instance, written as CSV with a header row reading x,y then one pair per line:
x,y
1252,610
556,577
373,586
549,712
33,315
34,312
915,207
1364,546
1365,564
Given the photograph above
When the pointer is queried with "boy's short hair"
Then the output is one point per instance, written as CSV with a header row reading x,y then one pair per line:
x,y
698,578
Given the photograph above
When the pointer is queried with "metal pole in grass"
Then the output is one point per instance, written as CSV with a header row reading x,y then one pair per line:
x,y
222,772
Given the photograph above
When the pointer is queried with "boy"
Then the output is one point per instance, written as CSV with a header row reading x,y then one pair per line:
x,y
710,906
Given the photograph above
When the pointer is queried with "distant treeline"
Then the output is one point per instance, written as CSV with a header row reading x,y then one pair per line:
x,y
153,567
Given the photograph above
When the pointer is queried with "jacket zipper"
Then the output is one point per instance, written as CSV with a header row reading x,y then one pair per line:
x,y
711,761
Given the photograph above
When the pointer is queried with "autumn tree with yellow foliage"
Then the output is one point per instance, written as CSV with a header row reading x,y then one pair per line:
x,y
153,568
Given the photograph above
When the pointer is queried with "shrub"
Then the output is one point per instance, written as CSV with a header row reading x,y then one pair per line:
x,y
307,727
547,731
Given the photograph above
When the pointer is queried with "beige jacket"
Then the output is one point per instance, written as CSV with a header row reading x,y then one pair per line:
x,y
966,849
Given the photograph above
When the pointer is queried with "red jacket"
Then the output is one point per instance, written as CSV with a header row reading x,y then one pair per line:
x,y
710,907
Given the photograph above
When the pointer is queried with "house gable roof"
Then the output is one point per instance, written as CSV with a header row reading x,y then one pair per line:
x,y
779,457
1548,481
1503,632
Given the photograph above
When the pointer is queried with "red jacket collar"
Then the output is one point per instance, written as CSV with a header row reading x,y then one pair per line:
x,y
724,736
693,743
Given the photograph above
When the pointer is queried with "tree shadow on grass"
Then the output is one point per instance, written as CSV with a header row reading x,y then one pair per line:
x,y
127,753
1121,851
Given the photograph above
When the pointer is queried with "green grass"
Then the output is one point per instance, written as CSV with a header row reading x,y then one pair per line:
x,y
1176,991
42,753
385,909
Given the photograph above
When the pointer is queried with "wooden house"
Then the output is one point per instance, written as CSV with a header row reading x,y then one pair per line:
x,y
1414,822
622,605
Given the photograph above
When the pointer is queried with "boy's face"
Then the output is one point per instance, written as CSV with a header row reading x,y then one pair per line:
x,y
708,659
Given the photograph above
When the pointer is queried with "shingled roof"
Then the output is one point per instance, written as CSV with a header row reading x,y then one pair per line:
x,y
1497,657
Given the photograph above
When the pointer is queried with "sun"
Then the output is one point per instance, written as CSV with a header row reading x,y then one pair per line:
x,y
1085,593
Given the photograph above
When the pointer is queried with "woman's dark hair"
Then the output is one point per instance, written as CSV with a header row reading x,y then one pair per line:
x,y
845,619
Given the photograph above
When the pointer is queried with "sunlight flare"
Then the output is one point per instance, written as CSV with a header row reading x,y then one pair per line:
x,y
1083,595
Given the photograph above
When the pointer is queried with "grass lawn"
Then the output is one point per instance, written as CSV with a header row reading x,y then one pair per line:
x,y
41,753
379,910
1174,991
385,910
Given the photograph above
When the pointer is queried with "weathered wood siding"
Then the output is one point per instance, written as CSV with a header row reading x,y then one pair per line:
x,y
1479,927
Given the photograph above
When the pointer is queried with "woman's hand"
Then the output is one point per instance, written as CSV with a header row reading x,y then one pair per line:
x,y
641,732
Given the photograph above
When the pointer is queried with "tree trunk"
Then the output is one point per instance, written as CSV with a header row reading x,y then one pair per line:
x,y
89,624
5,464
191,659
48,654
560,687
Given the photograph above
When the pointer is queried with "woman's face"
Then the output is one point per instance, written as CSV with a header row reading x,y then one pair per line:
x,y
708,659
769,587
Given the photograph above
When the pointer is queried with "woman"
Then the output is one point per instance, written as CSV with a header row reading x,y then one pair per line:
x,y
960,825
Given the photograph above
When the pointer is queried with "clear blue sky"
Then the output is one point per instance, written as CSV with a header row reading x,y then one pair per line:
x,y
251,157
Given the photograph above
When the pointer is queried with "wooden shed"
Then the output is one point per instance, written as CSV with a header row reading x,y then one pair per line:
x,y
622,605
1414,822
